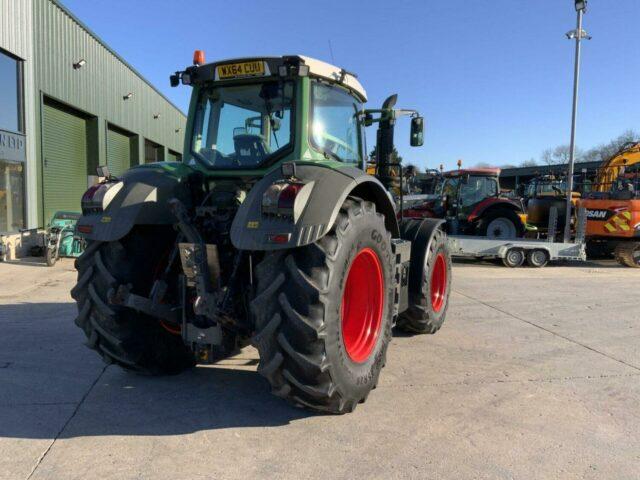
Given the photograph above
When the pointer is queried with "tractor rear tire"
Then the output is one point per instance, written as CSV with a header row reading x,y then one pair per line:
x,y
428,306
132,340
628,254
324,311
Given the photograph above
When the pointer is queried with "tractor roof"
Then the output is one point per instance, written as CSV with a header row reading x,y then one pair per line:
x,y
317,68
489,172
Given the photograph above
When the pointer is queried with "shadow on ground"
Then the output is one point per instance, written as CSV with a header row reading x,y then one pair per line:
x,y
58,385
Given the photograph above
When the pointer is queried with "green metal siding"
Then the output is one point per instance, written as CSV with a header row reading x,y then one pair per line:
x,y
118,152
99,87
64,160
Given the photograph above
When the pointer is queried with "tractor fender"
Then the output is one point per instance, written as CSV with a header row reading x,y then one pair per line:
x,y
315,209
491,203
141,198
420,232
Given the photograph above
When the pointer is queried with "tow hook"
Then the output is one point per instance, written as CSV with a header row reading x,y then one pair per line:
x,y
123,297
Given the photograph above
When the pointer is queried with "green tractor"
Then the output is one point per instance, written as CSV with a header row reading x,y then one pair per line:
x,y
269,233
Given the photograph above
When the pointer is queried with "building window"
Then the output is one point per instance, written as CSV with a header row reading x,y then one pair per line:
x,y
12,145
153,152
11,196
10,94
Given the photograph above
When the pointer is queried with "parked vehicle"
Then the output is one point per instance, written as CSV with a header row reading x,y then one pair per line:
x,y
471,202
613,207
61,238
270,233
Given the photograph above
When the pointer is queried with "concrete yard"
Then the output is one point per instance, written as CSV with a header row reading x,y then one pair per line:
x,y
535,374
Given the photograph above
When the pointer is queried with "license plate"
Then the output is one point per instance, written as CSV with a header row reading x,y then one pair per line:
x,y
244,69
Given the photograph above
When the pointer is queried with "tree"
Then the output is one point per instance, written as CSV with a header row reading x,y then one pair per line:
x,y
529,163
482,165
559,155
396,156
606,151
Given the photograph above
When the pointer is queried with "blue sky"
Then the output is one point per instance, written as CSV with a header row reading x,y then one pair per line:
x,y
493,78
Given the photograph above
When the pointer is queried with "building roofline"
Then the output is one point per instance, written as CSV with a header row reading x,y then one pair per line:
x,y
537,169
58,3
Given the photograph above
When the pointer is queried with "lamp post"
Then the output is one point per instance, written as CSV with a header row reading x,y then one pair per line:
x,y
578,34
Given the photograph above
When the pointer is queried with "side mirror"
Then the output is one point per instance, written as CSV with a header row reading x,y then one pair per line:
x,y
417,131
174,80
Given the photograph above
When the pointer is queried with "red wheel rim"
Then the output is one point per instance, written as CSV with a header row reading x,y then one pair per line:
x,y
362,304
438,283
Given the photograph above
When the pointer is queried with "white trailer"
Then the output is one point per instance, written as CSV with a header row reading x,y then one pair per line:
x,y
514,252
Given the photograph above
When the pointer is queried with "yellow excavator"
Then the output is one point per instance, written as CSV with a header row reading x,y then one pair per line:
x,y
613,207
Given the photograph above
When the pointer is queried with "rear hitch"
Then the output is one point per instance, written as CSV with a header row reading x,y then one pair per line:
x,y
123,297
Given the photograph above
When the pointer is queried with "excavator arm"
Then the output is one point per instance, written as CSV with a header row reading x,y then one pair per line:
x,y
609,171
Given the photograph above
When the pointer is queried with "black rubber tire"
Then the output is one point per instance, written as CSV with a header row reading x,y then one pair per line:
x,y
421,317
298,321
496,213
537,258
51,257
628,254
510,260
132,340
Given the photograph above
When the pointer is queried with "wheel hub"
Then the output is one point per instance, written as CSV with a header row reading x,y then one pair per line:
x,y
501,228
362,305
438,283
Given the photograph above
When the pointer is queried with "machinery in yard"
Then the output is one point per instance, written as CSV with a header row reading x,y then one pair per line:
x,y
61,238
613,207
542,194
514,253
471,202
270,232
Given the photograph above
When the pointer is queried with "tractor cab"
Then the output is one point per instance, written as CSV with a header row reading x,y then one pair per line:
x,y
250,114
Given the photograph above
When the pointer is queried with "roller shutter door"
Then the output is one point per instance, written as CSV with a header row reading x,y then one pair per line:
x,y
64,148
118,152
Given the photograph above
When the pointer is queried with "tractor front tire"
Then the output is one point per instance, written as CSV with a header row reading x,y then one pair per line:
x,y
323,313
132,340
500,223
429,302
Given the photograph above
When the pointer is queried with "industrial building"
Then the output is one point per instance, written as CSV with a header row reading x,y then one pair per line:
x,y
69,103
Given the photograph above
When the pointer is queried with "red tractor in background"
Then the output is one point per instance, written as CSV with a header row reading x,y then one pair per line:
x,y
472,203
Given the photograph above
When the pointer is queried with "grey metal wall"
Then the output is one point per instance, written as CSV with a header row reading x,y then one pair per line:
x,y
16,37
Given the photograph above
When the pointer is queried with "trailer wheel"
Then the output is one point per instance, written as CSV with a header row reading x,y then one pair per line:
x,y
429,296
628,254
537,258
132,340
514,258
323,313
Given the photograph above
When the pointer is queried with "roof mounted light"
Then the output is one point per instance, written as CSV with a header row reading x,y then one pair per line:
x,y
198,57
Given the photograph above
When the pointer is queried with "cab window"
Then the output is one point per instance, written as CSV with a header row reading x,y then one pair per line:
x,y
476,189
335,130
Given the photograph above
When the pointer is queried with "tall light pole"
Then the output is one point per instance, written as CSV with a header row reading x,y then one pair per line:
x,y
578,34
